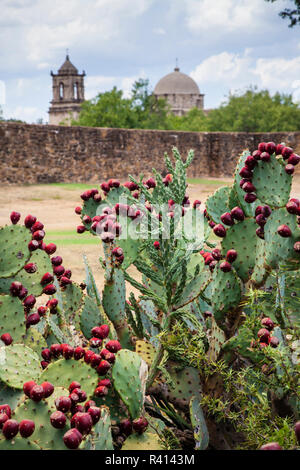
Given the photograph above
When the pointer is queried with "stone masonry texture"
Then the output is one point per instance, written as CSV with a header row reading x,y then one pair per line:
x,y
45,154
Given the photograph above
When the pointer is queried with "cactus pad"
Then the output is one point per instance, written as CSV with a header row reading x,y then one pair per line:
x,y
63,372
18,364
198,421
226,293
89,316
9,395
272,183
242,238
101,438
279,248
35,340
12,318
216,341
145,441
217,204
45,435
14,241
146,351
126,375
32,282
186,384
17,443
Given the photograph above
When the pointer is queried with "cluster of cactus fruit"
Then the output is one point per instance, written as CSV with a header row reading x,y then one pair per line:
x,y
107,364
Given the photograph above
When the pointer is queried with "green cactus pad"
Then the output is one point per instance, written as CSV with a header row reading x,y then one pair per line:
x,y
129,245
32,282
113,301
114,297
260,273
241,345
146,351
195,260
35,340
194,288
226,293
145,441
237,195
217,339
217,204
63,372
71,300
272,183
9,395
129,375
17,443
12,318
18,364
90,208
199,424
14,241
89,316
242,238
279,248
118,410
45,435
101,438
186,383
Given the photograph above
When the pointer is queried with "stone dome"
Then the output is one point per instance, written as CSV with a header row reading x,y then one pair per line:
x,y
176,83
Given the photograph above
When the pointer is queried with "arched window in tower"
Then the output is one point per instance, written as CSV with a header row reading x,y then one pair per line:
x,y
76,95
61,91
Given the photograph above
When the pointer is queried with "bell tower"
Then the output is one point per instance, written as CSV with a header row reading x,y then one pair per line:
x,y
67,94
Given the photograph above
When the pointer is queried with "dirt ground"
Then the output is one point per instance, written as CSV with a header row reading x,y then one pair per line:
x,y
54,206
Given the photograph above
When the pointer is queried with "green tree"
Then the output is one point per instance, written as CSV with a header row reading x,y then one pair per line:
x,y
111,109
293,14
255,111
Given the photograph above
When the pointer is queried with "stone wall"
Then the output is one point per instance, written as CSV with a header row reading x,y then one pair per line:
x,y
44,153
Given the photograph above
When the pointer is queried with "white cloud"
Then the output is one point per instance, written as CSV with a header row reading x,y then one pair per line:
x,y
100,83
223,16
236,71
29,114
159,31
44,27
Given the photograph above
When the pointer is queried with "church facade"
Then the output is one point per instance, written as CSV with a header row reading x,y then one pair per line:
x,y
67,94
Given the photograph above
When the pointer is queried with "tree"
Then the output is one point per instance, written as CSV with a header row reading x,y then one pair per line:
x,y
292,14
107,109
255,111
111,109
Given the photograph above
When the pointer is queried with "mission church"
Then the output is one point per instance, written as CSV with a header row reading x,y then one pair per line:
x,y
178,89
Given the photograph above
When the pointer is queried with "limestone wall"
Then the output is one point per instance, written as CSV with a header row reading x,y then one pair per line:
x,y
44,153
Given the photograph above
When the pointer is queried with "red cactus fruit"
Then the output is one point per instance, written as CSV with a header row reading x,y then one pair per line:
x,y
103,367
140,425
263,335
7,339
26,427
58,419
113,346
50,249
94,413
37,393
10,428
5,409
15,217
100,391
63,404
231,256
284,231
267,323
29,220
219,230
72,439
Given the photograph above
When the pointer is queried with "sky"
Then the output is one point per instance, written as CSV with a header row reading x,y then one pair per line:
x,y
224,45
